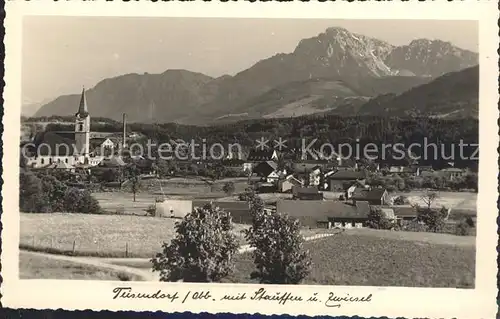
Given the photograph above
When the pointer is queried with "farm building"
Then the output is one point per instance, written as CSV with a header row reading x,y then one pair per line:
x,y
374,196
262,155
306,193
264,169
287,184
322,213
240,212
174,208
341,178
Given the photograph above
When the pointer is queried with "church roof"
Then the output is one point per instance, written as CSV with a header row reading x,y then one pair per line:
x,y
50,143
83,110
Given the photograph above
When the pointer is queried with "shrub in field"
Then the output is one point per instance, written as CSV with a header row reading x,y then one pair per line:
x,y
378,220
401,200
462,228
413,226
433,219
248,195
279,255
228,188
202,250
80,201
151,210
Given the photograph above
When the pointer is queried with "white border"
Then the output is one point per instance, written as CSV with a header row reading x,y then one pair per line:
x,y
388,301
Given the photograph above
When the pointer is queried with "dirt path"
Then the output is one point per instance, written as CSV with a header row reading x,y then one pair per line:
x,y
144,273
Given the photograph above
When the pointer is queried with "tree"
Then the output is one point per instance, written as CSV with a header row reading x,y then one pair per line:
x,y
401,200
80,201
134,178
378,220
228,188
433,219
279,255
429,198
32,199
202,250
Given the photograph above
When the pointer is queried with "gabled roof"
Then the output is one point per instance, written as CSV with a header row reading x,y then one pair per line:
x,y
368,194
296,190
321,210
348,175
261,155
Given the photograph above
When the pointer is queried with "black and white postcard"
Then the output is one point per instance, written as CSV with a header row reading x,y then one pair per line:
x,y
303,158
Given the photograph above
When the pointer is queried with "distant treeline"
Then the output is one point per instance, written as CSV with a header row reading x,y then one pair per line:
x,y
335,130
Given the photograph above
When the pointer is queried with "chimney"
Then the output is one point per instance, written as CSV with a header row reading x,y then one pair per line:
x,y
124,130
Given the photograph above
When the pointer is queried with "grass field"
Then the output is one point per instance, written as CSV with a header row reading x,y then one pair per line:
x,y
453,200
97,235
37,267
104,235
376,261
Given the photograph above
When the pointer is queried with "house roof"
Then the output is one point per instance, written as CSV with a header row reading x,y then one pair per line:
x,y
363,207
260,155
368,194
348,175
404,211
452,170
321,210
296,190
232,207
63,165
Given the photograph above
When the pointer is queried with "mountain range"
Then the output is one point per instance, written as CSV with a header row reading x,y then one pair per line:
x,y
336,71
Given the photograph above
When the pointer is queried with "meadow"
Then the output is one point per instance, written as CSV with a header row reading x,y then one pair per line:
x,y
39,267
366,260
98,235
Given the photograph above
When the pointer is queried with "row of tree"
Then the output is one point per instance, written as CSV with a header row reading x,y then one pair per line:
x,y
43,193
205,245
330,129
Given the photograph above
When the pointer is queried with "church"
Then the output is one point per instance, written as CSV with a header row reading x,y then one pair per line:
x,y
69,150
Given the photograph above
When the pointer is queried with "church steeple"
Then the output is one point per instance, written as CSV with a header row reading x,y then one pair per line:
x,y
83,110
82,126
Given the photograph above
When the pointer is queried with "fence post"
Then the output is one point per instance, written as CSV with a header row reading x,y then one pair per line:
x,y
33,242
126,249
74,245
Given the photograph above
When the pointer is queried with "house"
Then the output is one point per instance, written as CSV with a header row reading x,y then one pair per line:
x,y
286,185
350,190
263,169
266,188
308,166
341,178
306,193
410,170
374,196
452,173
240,211
273,177
332,213
174,208
315,176
262,155
404,212
113,162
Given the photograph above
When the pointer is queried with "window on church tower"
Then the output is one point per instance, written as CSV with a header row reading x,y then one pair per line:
x,y
80,126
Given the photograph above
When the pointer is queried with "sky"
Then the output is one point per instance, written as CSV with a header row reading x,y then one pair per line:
x,y
62,54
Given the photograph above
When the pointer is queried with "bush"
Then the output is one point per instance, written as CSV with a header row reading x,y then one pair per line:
x,y
279,255
202,250
401,200
228,188
248,195
151,210
80,201
462,228
378,220
433,219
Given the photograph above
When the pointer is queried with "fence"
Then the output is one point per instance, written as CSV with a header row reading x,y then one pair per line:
x,y
81,247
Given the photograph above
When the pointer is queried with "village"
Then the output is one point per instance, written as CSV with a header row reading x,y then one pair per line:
x,y
320,192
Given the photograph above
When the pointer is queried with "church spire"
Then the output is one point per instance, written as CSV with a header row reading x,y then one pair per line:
x,y
83,110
